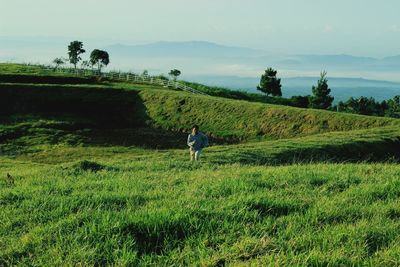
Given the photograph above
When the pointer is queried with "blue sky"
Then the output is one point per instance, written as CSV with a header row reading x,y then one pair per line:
x,y
357,27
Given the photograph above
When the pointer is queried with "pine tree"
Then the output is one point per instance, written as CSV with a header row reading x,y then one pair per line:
x,y
321,98
269,84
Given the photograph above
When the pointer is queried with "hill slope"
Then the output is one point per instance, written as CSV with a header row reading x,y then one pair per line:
x,y
245,120
79,189
37,117
173,110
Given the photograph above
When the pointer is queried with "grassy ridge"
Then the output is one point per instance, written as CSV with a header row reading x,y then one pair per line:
x,y
36,139
378,144
32,134
246,120
146,212
100,116
242,95
83,115
24,69
45,79
103,106
171,110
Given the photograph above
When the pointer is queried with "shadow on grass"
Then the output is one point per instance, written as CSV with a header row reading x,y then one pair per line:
x,y
158,234
55,114
78,115
102,107
322,149
45,79
275,208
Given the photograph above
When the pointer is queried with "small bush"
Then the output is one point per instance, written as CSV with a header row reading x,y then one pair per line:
x,y
87,165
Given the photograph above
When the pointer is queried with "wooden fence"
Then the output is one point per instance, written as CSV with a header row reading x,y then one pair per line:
x,y
130,77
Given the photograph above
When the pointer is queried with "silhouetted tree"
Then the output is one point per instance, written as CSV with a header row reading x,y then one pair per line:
x,y
58,62
75,49
321,98
393,107
174,74
269,84
99,58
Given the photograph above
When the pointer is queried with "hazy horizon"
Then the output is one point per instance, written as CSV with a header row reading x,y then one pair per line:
x,y
357,27
38,31
43,51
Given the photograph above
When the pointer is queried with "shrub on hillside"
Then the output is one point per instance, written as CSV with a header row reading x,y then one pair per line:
x,y
87,165
363,106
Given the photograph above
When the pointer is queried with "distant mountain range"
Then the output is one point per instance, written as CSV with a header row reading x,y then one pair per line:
x,y
193,49
240,68
205,58
201,49
228,66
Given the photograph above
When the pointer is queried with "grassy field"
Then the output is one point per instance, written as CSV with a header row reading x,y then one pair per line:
x,y
24,69
140,211
95,174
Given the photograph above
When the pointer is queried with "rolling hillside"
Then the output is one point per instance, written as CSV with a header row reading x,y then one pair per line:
x,y
97,173
82,111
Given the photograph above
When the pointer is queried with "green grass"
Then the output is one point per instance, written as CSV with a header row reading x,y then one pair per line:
x,y
143,212
172,110
96,174
239,94
247,120
378,144
36,139
12,68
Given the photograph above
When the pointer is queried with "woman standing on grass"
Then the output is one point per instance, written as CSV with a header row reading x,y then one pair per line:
x,y
196,141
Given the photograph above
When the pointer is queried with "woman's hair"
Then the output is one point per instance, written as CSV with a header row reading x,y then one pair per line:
x,y
195,126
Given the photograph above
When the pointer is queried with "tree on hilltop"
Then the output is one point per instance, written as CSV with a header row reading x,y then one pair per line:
x,y
58,62
393,109
174,74
99,58
321,98
75,49
145,73
269,83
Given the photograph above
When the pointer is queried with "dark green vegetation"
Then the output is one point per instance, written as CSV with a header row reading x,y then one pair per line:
x,y
98,174
362,105
269,83
99,58
240,95
174,74
321,98
369,106
175,111
75,49
24,69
